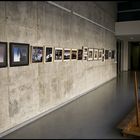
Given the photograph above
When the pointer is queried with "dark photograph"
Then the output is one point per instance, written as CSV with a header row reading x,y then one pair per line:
x,y
58,54
19,54
37,54
74,54
3,54
49,54
106,54
80,54
113,54
67,54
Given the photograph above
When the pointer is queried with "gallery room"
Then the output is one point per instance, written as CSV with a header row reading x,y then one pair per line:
x,y
69,69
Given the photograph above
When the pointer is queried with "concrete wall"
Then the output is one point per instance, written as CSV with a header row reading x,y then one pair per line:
x,y
127,28
28,91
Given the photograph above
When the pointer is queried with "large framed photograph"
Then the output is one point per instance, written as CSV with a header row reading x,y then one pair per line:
x,y
58,53
100,54
106,54
90,54
67,54
85,53
48,54
19,54
95,54
74,54
3,54
37,54
80,54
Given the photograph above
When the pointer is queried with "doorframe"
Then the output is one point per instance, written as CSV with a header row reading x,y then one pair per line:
x,y
119,55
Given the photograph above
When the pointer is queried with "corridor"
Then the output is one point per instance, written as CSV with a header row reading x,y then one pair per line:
x,y
92,116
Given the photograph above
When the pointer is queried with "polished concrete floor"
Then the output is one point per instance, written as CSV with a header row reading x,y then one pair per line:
x,y
92,116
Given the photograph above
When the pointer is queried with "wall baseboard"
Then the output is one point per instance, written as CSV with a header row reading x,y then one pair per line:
x,y
49,111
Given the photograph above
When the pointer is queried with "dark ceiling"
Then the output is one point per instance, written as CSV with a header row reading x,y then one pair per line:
x,y
128,10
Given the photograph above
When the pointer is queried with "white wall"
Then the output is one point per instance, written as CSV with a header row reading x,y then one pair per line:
x,y
127,28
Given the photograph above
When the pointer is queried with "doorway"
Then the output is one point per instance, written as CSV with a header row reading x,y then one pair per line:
x,y
134,48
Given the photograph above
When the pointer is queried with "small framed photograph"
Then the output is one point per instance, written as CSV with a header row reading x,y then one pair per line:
x,y
80,54
113,54
37,54
58,53
109,54
73,54
90,54
106,54
48,54
85,53
95,54
100,54
103,56
19,54
67,54
3,54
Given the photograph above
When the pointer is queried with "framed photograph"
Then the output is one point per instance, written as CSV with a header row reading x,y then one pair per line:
x,y
103,56
95,54
100,54
19,54
109,54
90,54
80,54
74,54
58,52
37,54
85,53
106,54
67,54
113,54
48,54
3,54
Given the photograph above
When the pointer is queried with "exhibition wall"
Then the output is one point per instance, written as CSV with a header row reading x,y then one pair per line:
x,y
27,91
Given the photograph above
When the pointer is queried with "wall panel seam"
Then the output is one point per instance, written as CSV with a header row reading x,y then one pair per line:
x,y
79,15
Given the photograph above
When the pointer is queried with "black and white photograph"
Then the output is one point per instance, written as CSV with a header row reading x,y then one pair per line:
x,y
100,54
37,54
85,53
80,54
58,52
95,54
106,54
49,54
113,54
3,54
74,54
90,54
103,56
19,54
67,54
